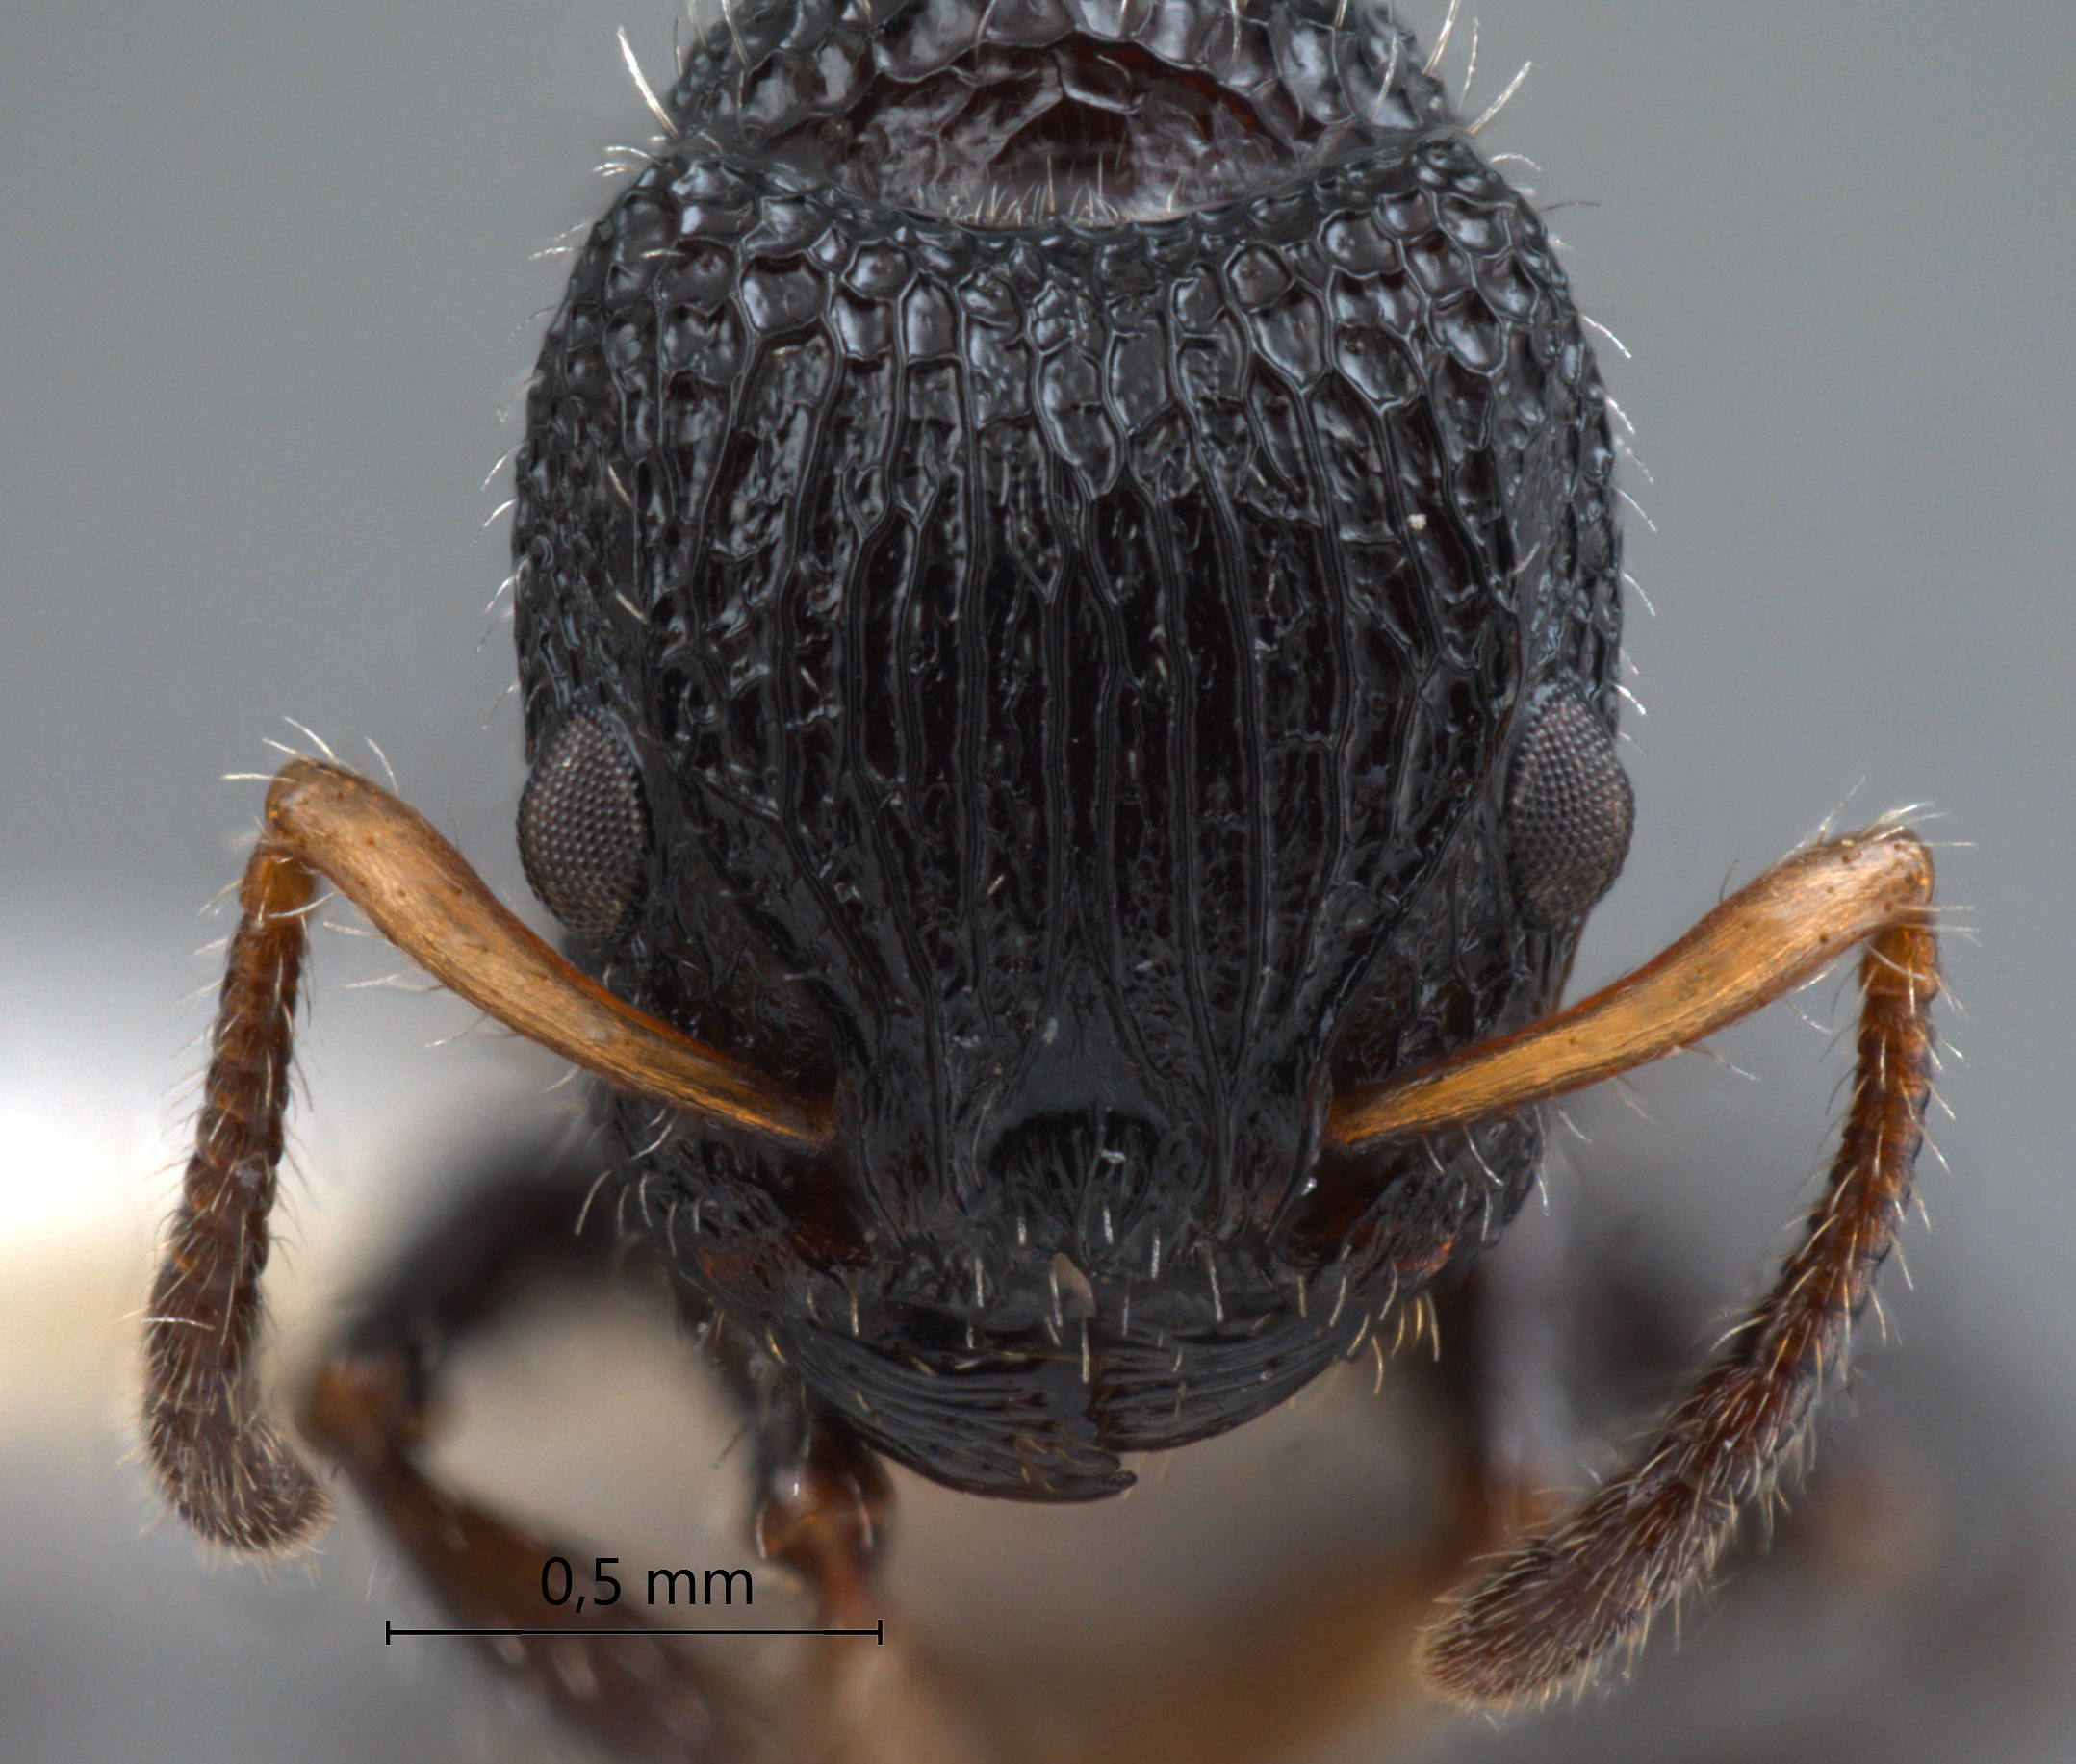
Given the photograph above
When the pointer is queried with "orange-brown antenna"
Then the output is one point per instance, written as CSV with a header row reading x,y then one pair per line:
x,y
209,1443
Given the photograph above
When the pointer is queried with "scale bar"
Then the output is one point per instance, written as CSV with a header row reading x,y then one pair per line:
x,y
878,1632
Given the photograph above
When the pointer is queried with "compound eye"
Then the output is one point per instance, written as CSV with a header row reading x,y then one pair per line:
x,y
583,827
1569,810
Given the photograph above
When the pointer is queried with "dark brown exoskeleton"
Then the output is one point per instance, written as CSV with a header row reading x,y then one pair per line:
x,y
1068,607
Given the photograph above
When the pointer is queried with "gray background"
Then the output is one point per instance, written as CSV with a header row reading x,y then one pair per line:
x,y
267,284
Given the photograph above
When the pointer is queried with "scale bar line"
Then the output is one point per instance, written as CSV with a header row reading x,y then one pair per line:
x,y
390,1632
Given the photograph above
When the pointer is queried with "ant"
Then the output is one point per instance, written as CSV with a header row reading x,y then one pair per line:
x,y
1068,607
